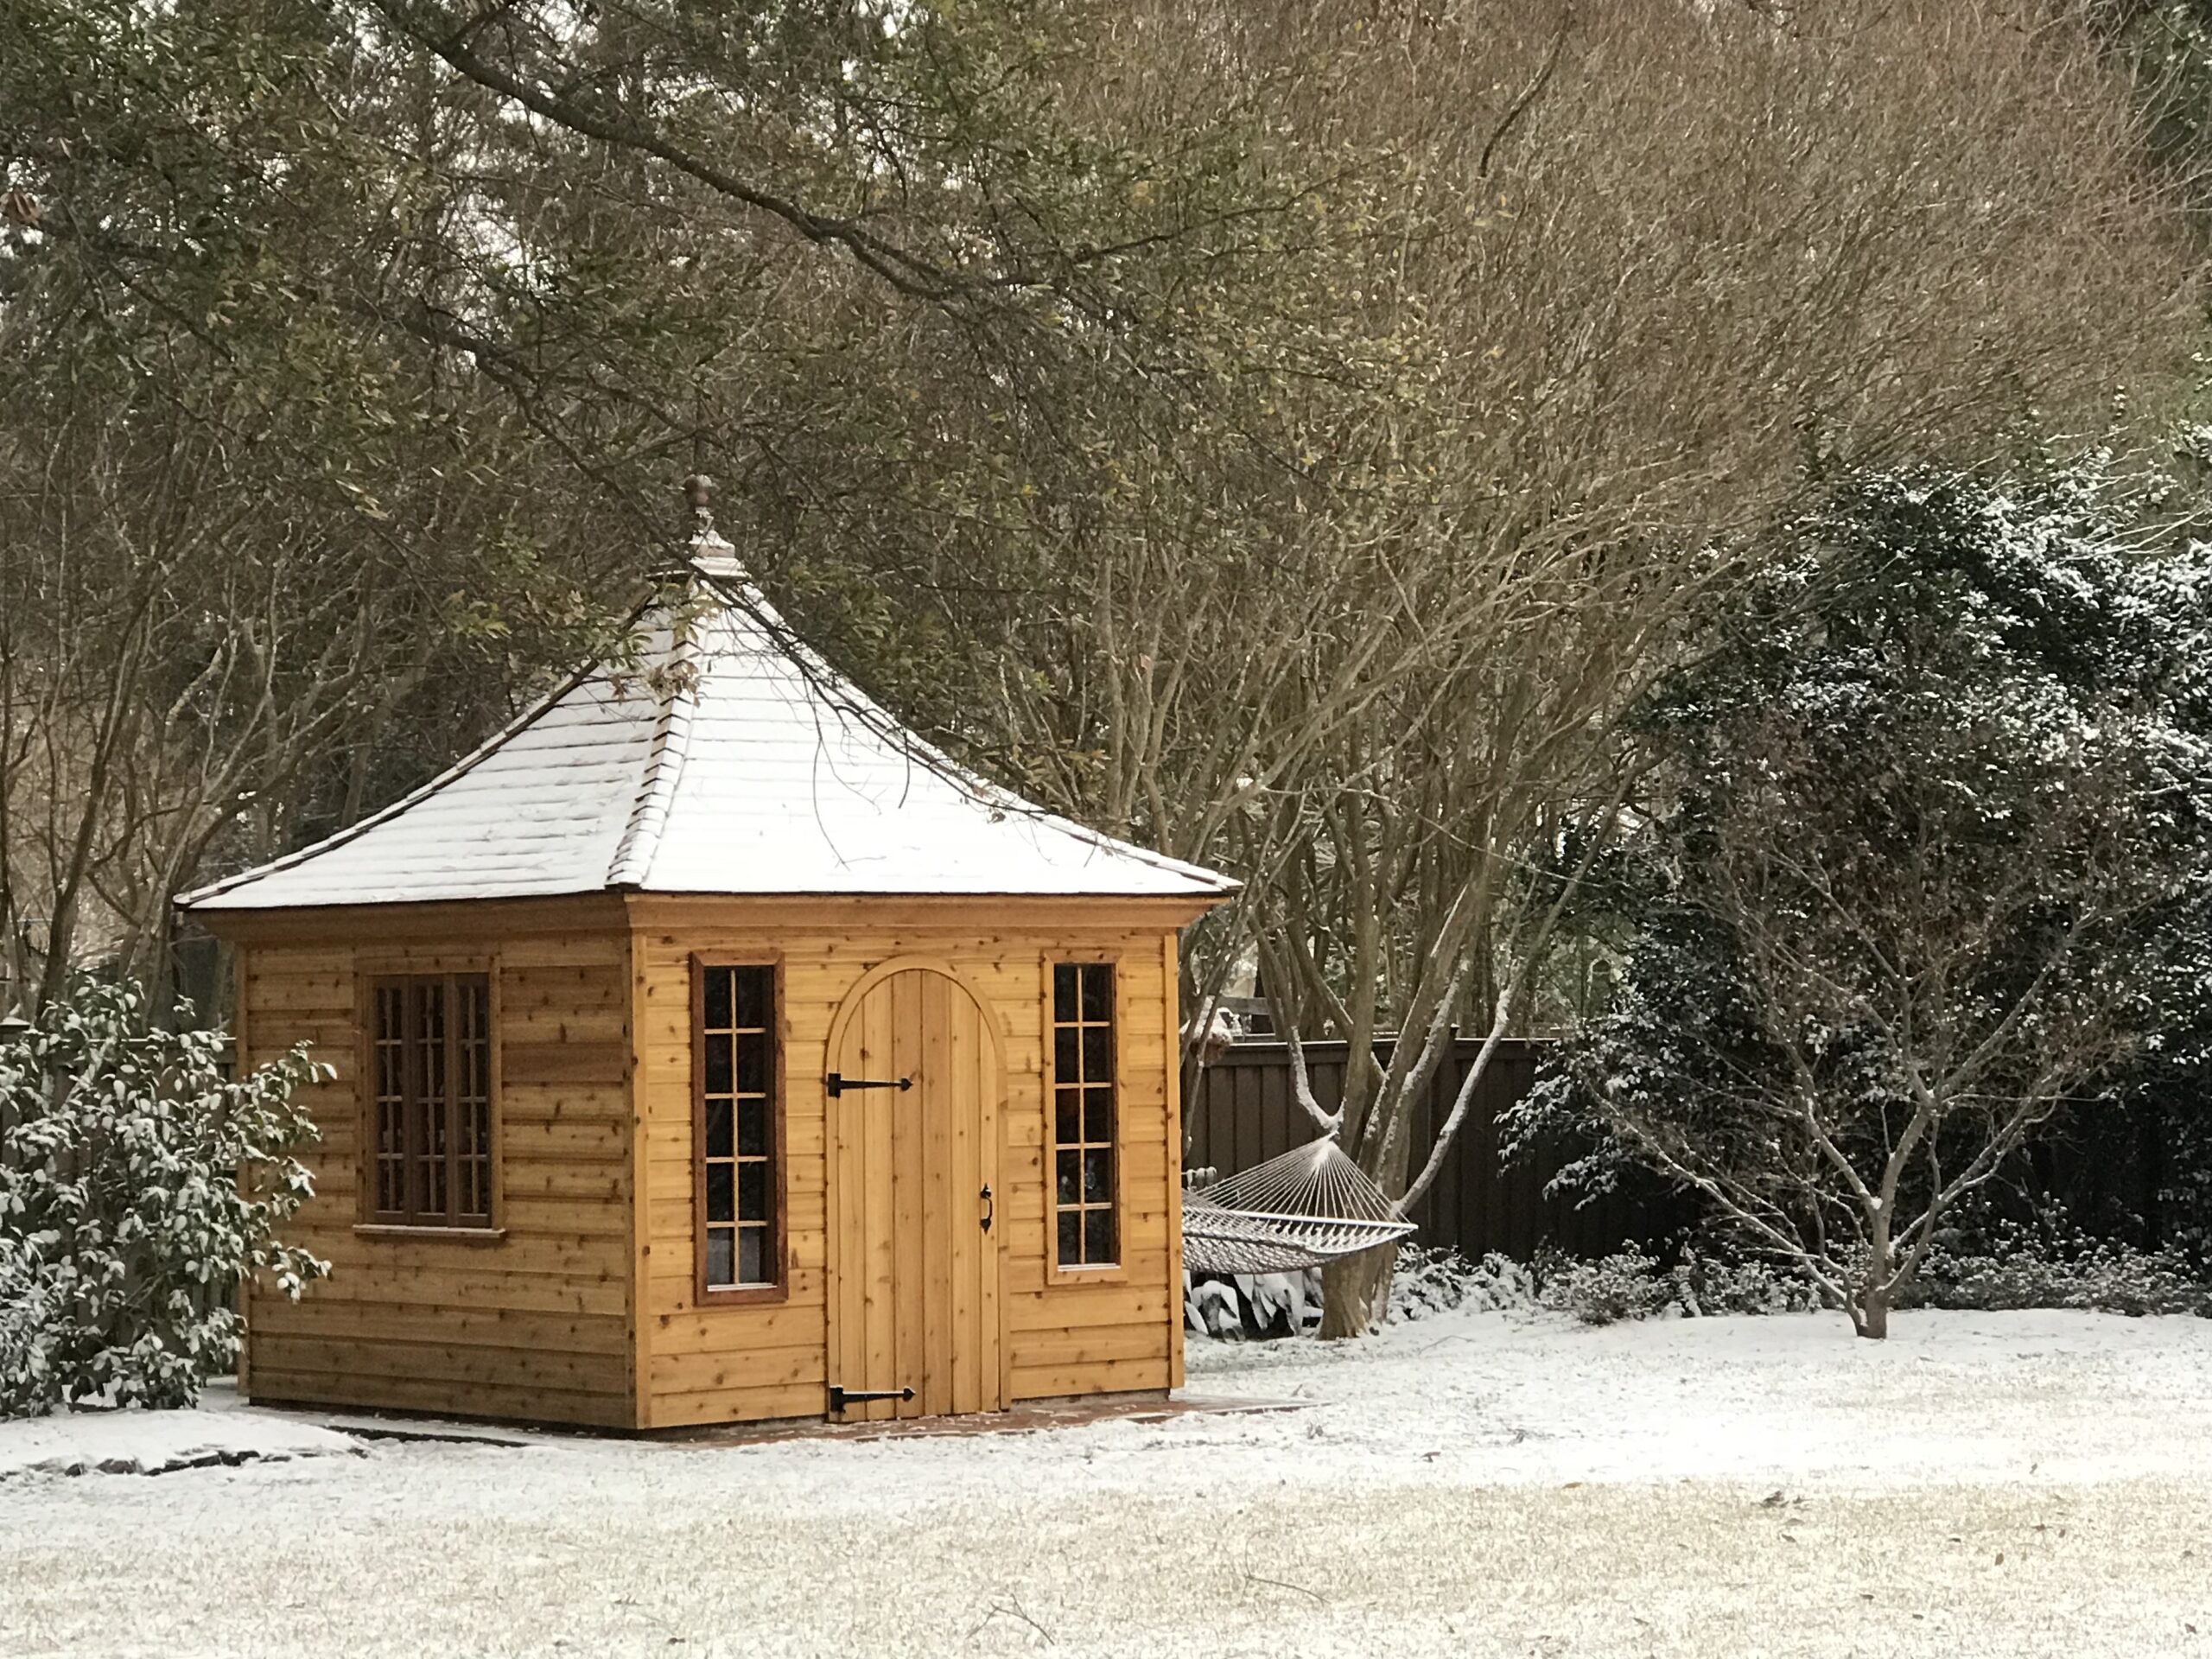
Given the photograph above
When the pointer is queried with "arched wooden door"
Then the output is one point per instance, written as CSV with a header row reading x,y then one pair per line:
x,y
913,1257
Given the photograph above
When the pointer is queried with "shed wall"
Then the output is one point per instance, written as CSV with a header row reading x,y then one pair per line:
x,y
534,1325
714,1364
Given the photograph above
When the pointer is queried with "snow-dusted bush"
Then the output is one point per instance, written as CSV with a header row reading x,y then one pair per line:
x,y
1927,865
137,1186
1633,1284
24,1315
1246,1306
1429,1281
2016,1267
1713,1285
2004,1268
1628,1284
1252,1305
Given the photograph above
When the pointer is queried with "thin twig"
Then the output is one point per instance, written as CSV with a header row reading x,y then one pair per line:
x,y
1251,1576
1014,1610
1520,107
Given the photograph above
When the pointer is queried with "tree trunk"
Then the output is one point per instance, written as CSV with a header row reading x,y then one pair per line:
x,y
1878,1280
1870,1307
1354,1293
1870,1315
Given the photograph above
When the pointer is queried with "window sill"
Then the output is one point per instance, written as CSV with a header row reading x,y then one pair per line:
x,y
742,1296
442,1234
1101,1273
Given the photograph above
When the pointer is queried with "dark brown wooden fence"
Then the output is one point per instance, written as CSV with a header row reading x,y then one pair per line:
x,y
1243,1110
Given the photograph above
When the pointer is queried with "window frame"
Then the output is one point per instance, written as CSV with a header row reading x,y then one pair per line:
x,y
704,1294
1089,1273
372,973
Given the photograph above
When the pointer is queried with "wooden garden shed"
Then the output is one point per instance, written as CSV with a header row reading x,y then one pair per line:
x,y
711,1049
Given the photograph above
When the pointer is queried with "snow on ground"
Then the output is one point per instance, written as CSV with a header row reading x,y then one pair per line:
x,y
1473,1485
1501,1397
155,1442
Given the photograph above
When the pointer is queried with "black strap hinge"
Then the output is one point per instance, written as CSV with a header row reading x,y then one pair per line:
x,y
840,1398
837,1084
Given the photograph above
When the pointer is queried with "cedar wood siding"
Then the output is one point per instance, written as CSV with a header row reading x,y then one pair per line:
x,y
590,1000
534,1325
718,1364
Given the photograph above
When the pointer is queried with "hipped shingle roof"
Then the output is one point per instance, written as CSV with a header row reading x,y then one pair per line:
x,y
727,758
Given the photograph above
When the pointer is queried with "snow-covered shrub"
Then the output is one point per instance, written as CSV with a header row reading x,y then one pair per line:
x,y
1255,1307
1252,1305
1428,1281
1713,1285
1948,719
137,1186
2017,1267
1210,1307
1633,1284
2004,1266
1282,1304
23,1314
1628,1284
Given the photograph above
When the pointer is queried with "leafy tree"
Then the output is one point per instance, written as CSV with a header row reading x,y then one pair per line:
x,y
1544,486
1941,766
1272,434
138,1187
1141,398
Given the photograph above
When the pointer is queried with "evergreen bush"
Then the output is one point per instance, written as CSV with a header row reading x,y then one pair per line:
x,y
137,1185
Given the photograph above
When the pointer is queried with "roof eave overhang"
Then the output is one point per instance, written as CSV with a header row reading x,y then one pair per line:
x,y
616,909
1024,910
414,919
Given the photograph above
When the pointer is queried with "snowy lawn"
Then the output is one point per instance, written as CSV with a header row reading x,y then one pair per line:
x,y
157,1442
1477,1483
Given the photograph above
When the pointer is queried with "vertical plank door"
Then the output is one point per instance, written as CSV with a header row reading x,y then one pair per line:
x,y
914,1272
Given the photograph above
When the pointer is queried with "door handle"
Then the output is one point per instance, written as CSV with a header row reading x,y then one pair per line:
x,y
990,1209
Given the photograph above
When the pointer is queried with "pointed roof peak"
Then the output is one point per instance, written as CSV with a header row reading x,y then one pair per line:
x,y
737,761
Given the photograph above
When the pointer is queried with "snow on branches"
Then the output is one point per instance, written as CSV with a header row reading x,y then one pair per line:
x,y
1933,787
137,1185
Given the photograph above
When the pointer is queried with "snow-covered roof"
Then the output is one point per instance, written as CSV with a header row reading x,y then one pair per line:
x,y
727,758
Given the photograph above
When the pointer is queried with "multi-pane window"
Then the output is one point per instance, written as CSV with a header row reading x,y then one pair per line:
x,y
739,1243
431,1071
1082,1113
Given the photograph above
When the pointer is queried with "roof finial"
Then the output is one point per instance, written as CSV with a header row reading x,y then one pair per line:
x,y
711,555
699,491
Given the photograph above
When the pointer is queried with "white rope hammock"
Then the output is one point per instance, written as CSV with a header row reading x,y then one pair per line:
x,y
1305,1207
